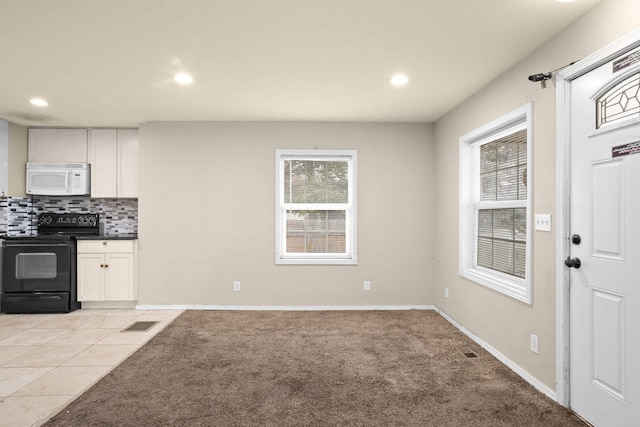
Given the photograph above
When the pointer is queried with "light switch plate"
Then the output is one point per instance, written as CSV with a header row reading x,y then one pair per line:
x,y
543,222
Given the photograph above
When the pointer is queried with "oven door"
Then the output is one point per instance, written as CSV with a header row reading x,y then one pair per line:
x,y
36,267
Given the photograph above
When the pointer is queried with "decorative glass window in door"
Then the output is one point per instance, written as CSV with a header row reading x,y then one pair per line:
x,y
621,102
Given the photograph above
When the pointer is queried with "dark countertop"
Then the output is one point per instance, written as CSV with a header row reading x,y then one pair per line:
x,y
109,237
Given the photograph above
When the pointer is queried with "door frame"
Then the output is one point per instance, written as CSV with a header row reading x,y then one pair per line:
x,y
563,180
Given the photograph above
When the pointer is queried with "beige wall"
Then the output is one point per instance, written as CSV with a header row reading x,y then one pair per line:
x,y
207,215
502,322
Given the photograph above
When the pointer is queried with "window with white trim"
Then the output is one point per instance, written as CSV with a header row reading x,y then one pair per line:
x,y
316,207
495,201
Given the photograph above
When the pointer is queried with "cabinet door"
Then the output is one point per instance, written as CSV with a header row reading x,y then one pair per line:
x,y
57,145
72,145
127,163
91,277
42,145
102,156
119,277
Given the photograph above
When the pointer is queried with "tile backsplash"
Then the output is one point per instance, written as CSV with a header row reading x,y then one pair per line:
x,y
20,215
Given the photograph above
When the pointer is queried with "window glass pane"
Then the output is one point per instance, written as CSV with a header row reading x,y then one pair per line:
x,y
485,223
488,158
508,184
503,224
520,259
507,152
501,243
485,252
488,190
503,256
520,224
522,182
316,232
503,164
522,149
316,181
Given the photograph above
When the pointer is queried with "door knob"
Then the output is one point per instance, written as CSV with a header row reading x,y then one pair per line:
x,y
572,262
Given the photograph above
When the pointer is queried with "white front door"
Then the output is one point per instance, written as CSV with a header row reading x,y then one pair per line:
x,y
605,214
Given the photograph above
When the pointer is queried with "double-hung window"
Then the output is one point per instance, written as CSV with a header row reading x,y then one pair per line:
x,y
316,207
495,195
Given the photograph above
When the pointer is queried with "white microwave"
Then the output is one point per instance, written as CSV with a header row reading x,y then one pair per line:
x,y
58,179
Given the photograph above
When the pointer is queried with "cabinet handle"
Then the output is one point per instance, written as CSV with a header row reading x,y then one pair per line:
x,y
106,265
101,265
104,243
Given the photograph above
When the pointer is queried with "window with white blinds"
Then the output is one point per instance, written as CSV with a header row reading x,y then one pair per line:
x,y
315,219
502,230
495,205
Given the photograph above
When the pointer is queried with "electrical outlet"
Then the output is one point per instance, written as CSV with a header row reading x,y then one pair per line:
x,y
367,285
236,286
534,343
446,292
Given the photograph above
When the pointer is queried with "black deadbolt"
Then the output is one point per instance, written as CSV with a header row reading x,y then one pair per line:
x,y
575,239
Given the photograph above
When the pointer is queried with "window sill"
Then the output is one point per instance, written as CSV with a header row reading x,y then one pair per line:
x,y
503,283
316,261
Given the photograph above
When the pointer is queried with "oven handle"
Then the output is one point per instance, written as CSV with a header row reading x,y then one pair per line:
x,y
33,244
46,296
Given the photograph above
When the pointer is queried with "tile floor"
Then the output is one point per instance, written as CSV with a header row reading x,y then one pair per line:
x,y
46,360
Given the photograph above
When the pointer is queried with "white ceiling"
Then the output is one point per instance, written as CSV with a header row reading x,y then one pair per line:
x,y
111,62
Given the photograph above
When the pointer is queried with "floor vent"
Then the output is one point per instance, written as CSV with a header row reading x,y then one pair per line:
x,y
470,355
140,326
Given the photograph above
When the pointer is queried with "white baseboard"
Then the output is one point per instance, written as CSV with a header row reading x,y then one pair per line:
x,y
283,307
502,358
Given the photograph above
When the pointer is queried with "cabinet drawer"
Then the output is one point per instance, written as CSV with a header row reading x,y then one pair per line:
x,y
105,246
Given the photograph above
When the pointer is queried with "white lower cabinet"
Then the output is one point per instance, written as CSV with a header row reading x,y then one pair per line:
x,y
106,270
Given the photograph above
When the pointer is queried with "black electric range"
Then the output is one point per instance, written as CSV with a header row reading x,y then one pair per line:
x,y
39,270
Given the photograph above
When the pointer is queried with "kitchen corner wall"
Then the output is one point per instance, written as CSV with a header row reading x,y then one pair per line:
x,y
19,215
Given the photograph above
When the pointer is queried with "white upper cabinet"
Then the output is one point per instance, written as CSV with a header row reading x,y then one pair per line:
x,y
102,157
57,145
113,154
127,163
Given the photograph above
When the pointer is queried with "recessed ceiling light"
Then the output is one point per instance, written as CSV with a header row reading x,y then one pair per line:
x,y
399,80
39,102
183,79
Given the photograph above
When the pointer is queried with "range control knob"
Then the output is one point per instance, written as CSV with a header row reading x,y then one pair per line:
x,y
45,220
